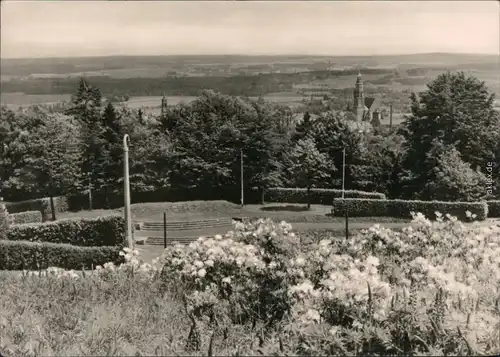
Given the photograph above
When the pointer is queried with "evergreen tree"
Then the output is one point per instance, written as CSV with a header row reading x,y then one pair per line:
x,y
308,167
86,108
112,143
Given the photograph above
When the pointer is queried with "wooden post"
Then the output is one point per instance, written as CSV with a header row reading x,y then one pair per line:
x,y
165,230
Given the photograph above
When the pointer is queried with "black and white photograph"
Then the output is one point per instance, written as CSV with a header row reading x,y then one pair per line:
x,y
249,178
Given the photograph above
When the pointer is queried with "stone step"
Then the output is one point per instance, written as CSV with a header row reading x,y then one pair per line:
x,y
189,225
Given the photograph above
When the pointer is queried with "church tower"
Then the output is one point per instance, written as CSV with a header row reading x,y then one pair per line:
x,y
359,99
163,105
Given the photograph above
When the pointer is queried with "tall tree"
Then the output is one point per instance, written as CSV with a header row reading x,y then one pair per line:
x,y
51,165
332,134
86,108
308,166
112,148
15,134
457,111
304,128
261,148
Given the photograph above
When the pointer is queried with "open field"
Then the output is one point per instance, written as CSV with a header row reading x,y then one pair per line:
x,y
16,100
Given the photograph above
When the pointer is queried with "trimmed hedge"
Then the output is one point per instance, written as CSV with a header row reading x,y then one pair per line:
x,y
4,221
493,208
39,204
322,196
401,208
26,217
24,255
102,231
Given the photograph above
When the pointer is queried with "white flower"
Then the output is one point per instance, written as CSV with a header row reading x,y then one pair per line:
x,y
209,263
198,264
227,280
334,330
371,260
202,273
313,315
300,261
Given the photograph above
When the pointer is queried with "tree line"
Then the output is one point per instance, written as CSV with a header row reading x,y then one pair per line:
x,y
192,151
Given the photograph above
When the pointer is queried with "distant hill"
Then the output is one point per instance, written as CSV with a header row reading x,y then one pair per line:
x,y
158,66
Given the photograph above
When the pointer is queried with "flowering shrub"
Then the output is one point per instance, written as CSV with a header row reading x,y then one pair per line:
x,y
248,267
433,288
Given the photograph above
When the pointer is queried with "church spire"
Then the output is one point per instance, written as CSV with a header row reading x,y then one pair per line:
x,y
163,104
359,98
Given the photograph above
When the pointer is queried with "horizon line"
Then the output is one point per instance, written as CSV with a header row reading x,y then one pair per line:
x,y
256,55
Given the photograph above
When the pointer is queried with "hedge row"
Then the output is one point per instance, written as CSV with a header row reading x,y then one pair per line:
x,y
401,208
96,232
39,204
24,255
493,208
25,217
4,222
317,195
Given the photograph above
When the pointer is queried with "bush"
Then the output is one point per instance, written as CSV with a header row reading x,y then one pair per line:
x,y
102,231
26,217
493,208
4,221
39,204
400,208
318,195
24,255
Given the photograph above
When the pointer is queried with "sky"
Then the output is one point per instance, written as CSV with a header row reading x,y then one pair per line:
x,y
101,28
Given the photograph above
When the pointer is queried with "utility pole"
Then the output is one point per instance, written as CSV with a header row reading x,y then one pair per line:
x,y
241,174
90,191
126,184
343,172
390,116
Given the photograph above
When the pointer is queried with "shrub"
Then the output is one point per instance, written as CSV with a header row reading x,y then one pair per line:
x,y
102,231
39,204
4,221
24,255
26,217
493,208
318,195
357,207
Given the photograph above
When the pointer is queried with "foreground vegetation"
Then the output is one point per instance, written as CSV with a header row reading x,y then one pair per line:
x,y
433,289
